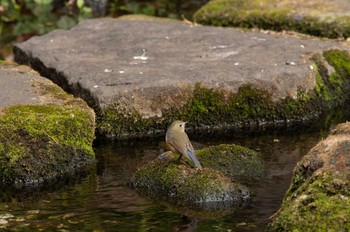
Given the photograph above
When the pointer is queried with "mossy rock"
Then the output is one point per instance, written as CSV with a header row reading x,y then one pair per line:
x,y
237,162
314,17
42,143
319,196
182,185
321,204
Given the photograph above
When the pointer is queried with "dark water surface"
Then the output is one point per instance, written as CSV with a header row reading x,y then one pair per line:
x,y
102,201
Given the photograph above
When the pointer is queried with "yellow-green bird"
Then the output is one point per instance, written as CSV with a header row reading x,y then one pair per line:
x,y
178,142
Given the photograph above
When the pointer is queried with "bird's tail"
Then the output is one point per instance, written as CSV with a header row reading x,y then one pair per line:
x,y
193,157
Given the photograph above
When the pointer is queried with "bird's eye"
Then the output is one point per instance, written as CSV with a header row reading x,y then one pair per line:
x,y
180,125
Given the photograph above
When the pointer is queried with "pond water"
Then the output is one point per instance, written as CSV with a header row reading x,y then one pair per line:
x,y
101,201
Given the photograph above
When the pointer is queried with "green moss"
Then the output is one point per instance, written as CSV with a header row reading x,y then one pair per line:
x,y
250,107
54,90
205,106
116,121
322,203
318,198
165,180
340,60
209,186
333,88
264,14
240,163
187,191
42,141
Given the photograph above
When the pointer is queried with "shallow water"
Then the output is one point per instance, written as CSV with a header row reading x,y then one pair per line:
x,y
102,201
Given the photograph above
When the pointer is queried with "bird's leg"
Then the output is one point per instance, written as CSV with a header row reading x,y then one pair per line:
x,y
178,159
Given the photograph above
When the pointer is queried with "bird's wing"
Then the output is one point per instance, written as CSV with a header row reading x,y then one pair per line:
x,y
169,139
183,146
192,155
178,145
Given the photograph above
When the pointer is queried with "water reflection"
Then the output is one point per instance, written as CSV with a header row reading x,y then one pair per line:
x,y
102,201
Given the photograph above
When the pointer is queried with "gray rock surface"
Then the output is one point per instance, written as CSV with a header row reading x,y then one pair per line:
x,y
17,86
103,61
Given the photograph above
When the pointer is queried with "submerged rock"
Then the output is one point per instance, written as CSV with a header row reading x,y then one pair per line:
x,y
319,196
205,190
141,75
46,134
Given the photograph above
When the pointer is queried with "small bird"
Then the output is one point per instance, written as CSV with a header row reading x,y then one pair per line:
x,y
178,142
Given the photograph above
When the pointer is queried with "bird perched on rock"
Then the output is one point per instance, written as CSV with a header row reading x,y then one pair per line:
x,y
178,142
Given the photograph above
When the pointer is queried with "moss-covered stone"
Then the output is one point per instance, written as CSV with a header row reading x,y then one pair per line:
x,y
319,195
40,143
332,86
240,163
250,107
311,18
320,204
116,121
166,180
212,192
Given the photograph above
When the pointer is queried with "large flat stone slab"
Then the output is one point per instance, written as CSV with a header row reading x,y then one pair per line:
x,y
140,75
